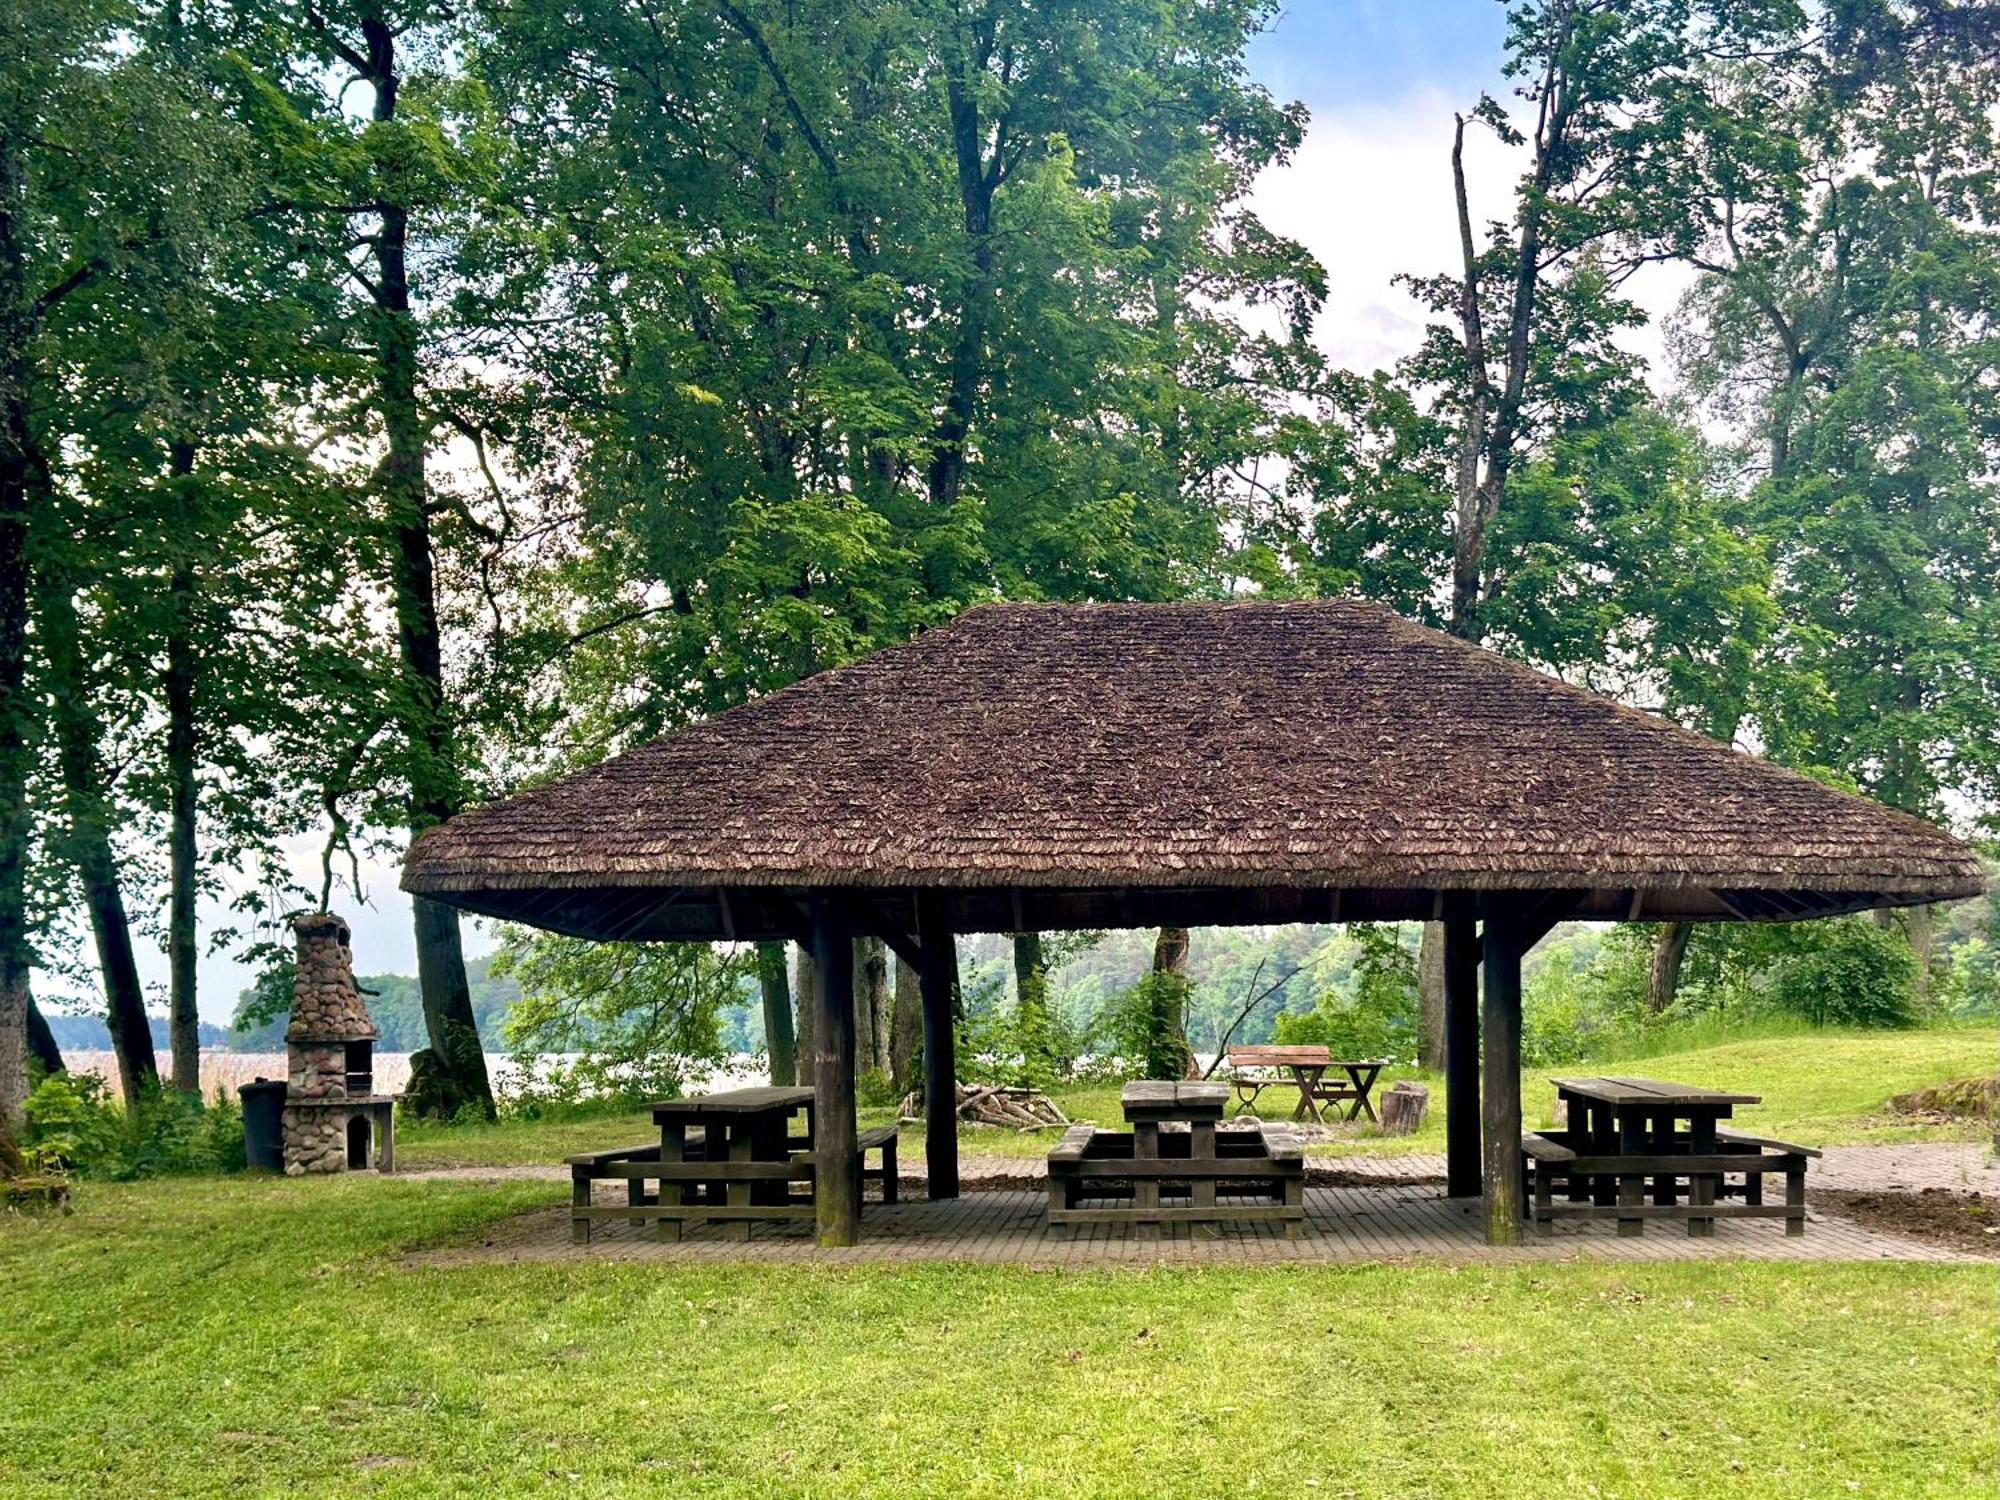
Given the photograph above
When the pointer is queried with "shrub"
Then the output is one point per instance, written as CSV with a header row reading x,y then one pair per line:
x,y
1855,974
875,1089
1143,1027
74,1123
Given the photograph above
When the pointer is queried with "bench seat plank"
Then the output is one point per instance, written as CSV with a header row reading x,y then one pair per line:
x,y
1541,1148
1742,1138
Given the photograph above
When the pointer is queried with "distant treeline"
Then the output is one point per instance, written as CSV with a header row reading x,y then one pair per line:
x,y
397,1008
89,1033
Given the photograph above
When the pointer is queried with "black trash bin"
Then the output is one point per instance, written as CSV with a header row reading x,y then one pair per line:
x,y
264,1124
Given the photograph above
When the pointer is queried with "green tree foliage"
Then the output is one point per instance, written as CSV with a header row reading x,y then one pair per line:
x,y
927,304
1378,1016
399,403
119,187
1853,344
395,1004
616,1020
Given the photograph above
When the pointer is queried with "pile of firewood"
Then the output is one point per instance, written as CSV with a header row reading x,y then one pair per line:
x,y
994,1104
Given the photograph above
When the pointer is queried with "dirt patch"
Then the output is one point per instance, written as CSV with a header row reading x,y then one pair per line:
x,y
1937,1216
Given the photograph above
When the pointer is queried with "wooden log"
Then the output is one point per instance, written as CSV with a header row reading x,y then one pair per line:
x,y
1461,1049
938,978
836,1189
1404,1108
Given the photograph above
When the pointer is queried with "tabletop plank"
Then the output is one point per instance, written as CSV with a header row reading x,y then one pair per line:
x,y
1156,1091
749,1101
1650,1091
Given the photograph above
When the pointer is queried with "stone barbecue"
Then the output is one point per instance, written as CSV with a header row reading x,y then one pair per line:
x,y
332,1112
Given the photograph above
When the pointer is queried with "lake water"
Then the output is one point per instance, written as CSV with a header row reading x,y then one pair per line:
x,y
230,1070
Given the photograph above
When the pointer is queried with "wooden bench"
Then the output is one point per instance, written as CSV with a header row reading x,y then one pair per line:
x,y
1736,1169
1254,1069
700,1189
1096,1177
882,1139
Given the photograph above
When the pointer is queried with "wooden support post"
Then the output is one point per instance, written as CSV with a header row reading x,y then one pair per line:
x,y
1461,1049
938,976
1500,1121
1146,1188
1702,1185
1632,1142
836,1153
674,1152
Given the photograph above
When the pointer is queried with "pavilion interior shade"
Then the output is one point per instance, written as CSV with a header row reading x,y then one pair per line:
x,y
1316,745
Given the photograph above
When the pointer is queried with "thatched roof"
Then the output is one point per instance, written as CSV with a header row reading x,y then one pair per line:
x,y
1041,753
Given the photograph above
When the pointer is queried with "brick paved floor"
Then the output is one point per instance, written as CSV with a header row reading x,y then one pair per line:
x,y
1963,1166
1364,1222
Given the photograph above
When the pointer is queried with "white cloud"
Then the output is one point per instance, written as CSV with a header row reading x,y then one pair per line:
x,y
1370,193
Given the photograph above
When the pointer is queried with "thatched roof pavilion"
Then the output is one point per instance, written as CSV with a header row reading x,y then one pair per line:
x,y
1036,767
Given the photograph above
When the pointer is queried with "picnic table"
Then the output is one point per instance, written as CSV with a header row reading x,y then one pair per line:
x,y
731,1156
1149,1165
1252,1070
1629,1140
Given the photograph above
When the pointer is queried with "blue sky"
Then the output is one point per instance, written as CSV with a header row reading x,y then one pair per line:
x,y
1347,53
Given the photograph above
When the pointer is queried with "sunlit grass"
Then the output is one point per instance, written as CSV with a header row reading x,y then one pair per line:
x,y
261,1337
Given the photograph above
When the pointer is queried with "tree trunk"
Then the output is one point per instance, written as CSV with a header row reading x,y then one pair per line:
x,y
42,1041
1430,998
17,711
183,746
1668,950
1921,930
1031,1005
1030,983
778,1038
1494,418
805,1000
1170,958
906,1034
871,1005
977,181
433,766
87,840
16,1042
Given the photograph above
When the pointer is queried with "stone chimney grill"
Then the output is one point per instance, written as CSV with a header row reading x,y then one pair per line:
x,y
332,1114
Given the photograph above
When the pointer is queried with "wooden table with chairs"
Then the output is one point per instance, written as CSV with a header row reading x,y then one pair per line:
x,y
1254,1069
1151,1177
1639,1148
732,1157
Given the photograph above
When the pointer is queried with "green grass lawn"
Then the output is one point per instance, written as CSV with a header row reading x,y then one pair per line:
x,y
257,1336
1819,1088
